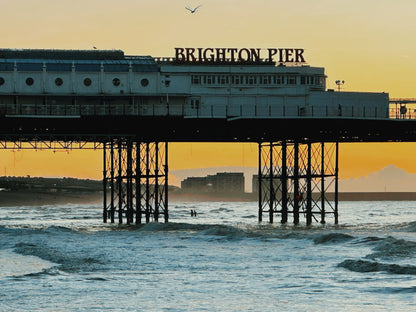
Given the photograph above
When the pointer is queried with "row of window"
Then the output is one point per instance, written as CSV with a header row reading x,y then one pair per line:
x,y
257,80
87,82
79,67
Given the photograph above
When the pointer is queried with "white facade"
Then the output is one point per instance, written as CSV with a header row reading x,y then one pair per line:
x,y
145,86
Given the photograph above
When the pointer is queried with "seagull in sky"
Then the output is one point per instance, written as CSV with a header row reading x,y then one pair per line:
x,y
193,10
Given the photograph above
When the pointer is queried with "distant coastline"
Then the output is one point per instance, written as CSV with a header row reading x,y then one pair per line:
x,y
38,198
27,191
342,196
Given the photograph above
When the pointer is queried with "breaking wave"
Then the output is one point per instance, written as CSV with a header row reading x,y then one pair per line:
x,y
391,247
332,238
67,261
364,266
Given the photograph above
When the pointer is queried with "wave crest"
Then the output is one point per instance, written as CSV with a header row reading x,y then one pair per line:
x,y
391,247
363,266
67,261
331,238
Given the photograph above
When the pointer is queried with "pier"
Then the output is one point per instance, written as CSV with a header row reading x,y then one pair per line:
x,y
132,107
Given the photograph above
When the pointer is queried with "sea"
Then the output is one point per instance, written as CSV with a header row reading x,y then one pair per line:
x,y
63,258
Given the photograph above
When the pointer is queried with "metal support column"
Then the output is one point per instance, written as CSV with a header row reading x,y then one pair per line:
x,y
295,178
260,181
137,175
271,185
336,182
309,186
284,183
105,180
296,194
323,183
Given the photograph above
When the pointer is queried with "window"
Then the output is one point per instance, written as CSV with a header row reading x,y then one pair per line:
x,y
237,80
279,79
209,79
87,82
87,67
58,67
307,80
302,80
196,79
265,80
250,80
29,67
320,81
291,80
116,68
116,82
223,80
59,82
1,81
195,103
144,82
29,81
6,66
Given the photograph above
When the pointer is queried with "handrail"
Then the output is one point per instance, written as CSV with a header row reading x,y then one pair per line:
x,y
202,111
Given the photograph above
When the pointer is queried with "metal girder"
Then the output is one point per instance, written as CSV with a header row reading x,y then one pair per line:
x,y
294,178
135,181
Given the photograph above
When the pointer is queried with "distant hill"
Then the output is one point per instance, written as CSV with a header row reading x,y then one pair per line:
x,y
388,179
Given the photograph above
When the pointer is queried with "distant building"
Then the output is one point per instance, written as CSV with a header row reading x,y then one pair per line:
x,y
195,184
255,184
224,182
277,185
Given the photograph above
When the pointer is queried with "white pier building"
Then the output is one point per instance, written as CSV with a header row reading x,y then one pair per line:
x,y
93,82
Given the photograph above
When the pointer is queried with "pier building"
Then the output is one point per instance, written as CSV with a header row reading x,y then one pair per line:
x,y
133,106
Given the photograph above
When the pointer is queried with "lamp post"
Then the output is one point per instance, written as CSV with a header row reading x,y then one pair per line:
x,y
339,83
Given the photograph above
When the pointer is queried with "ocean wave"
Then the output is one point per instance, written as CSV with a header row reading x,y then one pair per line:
x,y
410,227
241,231
331,238
52,271
364,266
394,290
67,261
391,247
16,265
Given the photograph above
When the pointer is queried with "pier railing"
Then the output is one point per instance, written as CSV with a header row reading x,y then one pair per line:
x,y
206,111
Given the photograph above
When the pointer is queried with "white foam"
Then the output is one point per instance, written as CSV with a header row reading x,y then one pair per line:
x,y
13,264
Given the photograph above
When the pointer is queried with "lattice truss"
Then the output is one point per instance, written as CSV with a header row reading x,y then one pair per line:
x,y
135,178
296,178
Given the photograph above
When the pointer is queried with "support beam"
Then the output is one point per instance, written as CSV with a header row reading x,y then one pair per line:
x,y
309,186
295,177
136,174
284,183
296,194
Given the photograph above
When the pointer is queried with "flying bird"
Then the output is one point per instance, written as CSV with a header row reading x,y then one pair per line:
x,y
193,10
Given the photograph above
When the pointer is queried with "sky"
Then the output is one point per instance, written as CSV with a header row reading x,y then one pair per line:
x,y
367,43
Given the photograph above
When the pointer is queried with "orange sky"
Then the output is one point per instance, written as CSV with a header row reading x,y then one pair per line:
x,y
369,44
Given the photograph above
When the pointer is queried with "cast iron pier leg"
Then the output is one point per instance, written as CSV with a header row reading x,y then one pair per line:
x,y
297,175
137,175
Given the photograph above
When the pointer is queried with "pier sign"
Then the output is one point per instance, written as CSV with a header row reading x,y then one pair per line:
x,y
235,55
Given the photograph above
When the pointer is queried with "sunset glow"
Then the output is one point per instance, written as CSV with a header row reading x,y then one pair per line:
x,y
369,44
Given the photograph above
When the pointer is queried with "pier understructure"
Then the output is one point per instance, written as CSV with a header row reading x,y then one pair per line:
x,y
135,181
294,179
